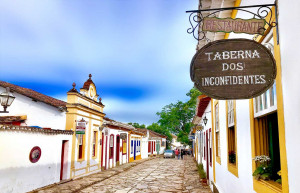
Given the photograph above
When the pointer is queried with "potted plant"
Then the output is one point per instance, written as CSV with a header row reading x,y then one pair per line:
x,y
231,156
279,180
202,174
264,169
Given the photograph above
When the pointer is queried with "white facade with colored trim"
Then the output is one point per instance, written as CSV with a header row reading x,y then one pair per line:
x,y
18,173
110,161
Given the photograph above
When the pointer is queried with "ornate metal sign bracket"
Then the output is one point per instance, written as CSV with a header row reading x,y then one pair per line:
x,y
196,18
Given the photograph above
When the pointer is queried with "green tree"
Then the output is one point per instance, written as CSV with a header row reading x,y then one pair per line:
x,y
177,117
137,125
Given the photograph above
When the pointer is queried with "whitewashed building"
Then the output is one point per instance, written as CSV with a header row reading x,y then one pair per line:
x,y
144,142
156,143
33,141
264,125
175,144
115,143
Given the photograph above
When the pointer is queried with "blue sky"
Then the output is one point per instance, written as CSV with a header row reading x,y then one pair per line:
x,y
138,51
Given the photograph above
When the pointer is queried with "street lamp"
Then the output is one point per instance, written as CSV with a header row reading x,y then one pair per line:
x,y
6,99
205,120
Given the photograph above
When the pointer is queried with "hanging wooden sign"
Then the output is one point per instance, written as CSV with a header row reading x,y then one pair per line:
x,y
227,25
233,69
80,126
123,136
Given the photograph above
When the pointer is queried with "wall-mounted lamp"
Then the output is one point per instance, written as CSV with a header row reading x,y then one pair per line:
x,y
6,99
205,120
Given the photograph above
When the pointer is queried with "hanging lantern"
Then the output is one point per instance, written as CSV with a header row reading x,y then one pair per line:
x,y
6,99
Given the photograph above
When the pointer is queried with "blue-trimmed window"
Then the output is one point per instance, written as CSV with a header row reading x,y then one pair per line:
x,y
131,147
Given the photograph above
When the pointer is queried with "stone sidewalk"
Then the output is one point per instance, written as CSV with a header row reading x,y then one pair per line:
x,y
83,182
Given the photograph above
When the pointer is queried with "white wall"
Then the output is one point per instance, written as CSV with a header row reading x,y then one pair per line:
x,y
289,31
225,180
206,128
123,158
144,147
38,113
18,174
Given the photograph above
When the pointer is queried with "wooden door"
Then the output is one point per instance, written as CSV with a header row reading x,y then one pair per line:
x,y
134,150
64,159
207,157
118,150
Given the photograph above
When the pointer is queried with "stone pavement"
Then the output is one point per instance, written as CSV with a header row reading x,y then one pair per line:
x,y
156,175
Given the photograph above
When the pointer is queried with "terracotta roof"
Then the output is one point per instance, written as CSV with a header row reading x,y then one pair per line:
x,y
9,119
34,95
154,134
202,105
118,125
35,130
142,130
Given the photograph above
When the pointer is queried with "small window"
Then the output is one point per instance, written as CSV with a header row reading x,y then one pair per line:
x,y
267,142
80,147
231,137
231,145
131,149
230,113
218,147
266,103
95,143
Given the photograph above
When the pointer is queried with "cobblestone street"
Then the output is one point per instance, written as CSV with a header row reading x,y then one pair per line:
x,y
156,175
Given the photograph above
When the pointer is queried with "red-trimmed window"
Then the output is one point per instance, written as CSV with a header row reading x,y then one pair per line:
x,y
111,146
154,146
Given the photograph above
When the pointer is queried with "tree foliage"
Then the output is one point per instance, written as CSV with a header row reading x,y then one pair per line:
x,y
177,117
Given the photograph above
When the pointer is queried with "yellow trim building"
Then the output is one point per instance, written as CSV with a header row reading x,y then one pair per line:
x,y
84,105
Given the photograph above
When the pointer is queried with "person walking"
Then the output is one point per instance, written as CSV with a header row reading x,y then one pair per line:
x,y
177,153
181,154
